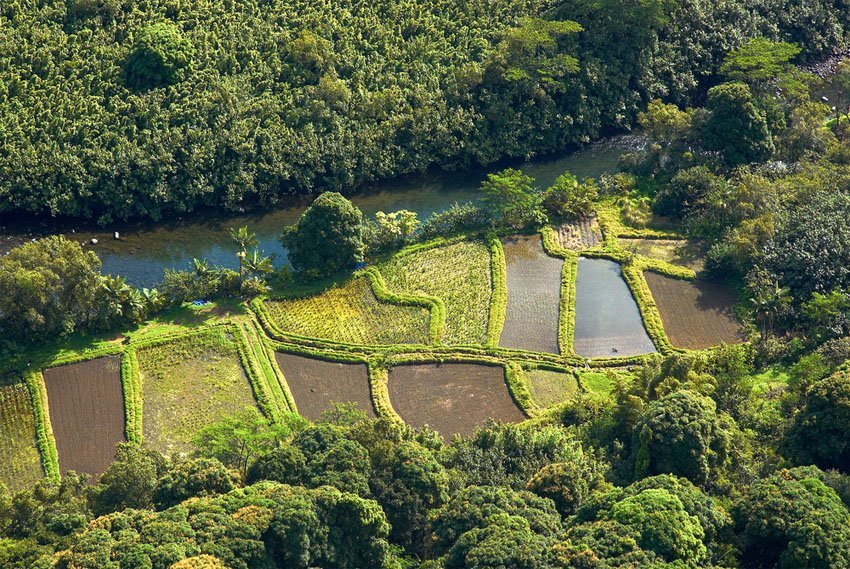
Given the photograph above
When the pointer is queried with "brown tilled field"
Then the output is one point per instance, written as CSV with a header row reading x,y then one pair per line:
x,y
534,296
86,412
451,398
696,314
317,384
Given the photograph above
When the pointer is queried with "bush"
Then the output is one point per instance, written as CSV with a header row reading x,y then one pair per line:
x,y
457,219
567,198
328,238
159,54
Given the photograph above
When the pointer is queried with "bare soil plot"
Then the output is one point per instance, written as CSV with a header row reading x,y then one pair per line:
x,y
21,464
351,313
688,253
551,387
534,294
577,235
87,413
695,314
608,322
187,384
316,384
451,398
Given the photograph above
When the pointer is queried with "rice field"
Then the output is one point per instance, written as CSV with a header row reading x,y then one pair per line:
x,y
551,387
688,253
534,296
608,322
577,235
350,313
187,384
21,464
695,314
459,274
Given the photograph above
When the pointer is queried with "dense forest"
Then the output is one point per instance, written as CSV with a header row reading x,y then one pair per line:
x,y
112,109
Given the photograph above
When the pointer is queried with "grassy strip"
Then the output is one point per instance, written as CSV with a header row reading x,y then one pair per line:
x,y
633,274
256,376
436,306
379,386
611,222
257,344
131,384
499,297
567,312
44,430
520,391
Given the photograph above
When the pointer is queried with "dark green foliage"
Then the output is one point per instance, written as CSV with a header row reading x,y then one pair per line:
x,y
687,192
735,126
818,434
811,248
158,55
328,238
197,478
511,199
509,455
130,481
682,434
478,509
567,198
793,520
265,99
668,517
568,484
48,288
458,218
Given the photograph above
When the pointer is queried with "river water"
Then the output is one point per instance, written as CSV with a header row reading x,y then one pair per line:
x,y
143,252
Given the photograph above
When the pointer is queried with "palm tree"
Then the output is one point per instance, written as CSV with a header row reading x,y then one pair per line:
x,y
202,268
245,240
256,264
770,301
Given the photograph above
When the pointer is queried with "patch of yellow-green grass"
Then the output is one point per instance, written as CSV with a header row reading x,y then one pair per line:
x,y
600,381
21,464
770,380
551,387
350,313
688,253
189,383
459,274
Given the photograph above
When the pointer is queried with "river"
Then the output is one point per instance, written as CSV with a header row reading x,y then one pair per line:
x,y
143,252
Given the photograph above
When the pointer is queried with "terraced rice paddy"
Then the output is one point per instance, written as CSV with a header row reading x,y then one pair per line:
x,y
695,314
188,384
316,385
608,322
686,253
351,314
534,292
578,235
451,398
459,274
551,387
87,413
21,464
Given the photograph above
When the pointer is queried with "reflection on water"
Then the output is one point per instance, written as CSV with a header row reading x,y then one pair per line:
x,y
608,322
141,254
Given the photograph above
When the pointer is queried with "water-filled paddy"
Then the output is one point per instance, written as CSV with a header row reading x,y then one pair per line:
x,y
695,314
608,322
451,398
534,295
316,384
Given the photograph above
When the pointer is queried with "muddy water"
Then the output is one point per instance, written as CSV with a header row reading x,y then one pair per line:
x,y
142,253
608,321
534,285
